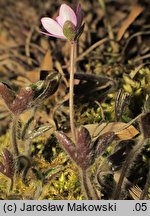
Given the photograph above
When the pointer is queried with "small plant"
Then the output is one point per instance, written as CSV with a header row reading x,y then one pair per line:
x,y
84,153
17,103
106,141
68,25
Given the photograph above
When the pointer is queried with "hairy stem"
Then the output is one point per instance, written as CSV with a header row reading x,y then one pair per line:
x,y
147,184
39,189
14,135
71,90
127,164
31,123
11,184
87,186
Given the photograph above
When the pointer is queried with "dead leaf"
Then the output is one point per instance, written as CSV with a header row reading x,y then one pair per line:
x,y
135,12
127,133
44,43
6,40
117,177
135,192
33,75
47,63
66,50
60,70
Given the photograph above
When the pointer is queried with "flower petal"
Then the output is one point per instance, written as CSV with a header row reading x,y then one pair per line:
x,y
52,35
79,15
67,14
59,20
52,26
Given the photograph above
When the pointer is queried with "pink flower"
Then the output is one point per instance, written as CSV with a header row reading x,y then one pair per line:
x,y
66,25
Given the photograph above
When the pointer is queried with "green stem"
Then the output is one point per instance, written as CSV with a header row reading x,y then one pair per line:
x,y
127,164
71,90
14,135
87,186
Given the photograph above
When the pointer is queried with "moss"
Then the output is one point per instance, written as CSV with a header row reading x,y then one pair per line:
x,y
5,141
47,155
